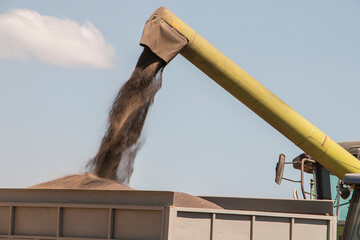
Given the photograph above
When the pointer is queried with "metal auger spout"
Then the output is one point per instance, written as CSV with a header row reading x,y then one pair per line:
x,y
166,35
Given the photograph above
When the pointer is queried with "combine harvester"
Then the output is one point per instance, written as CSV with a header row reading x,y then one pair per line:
x,y
149,215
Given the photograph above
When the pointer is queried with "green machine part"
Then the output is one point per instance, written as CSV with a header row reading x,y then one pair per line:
x,y
164,30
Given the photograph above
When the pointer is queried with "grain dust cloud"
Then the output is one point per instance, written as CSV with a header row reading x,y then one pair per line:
x,y
115,157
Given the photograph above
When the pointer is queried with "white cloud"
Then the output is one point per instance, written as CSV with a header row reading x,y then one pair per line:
x,y
25,34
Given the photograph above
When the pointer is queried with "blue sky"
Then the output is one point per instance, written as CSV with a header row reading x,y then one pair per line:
x,y
198,138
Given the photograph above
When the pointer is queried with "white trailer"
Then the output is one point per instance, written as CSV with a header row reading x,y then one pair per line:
x,y
148,215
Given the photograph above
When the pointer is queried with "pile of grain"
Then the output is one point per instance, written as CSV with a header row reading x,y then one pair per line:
x,y
91,182
190,201
82,181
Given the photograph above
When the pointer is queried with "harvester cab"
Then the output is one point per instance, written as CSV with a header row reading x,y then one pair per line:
x,y
352,227
323,183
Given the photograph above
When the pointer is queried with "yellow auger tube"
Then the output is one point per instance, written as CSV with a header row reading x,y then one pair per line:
x,y
260,100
